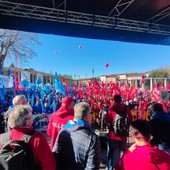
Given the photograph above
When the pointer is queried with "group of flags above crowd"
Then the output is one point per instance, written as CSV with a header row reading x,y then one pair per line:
x,y
94,90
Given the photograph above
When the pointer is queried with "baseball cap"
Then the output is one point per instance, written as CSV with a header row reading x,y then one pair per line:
x,y
67,100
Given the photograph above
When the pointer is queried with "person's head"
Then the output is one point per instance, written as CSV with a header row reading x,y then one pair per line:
x,y
68,102
140,130
45,104
20,116
82,111
104,104
117,98
37,102
19,100
157,107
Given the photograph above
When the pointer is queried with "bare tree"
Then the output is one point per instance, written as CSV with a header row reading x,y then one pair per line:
x,y
17,43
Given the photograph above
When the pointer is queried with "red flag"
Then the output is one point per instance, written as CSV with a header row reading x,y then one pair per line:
x,y
142,79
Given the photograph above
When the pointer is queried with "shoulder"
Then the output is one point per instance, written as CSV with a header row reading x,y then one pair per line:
x,y
93,135
39,136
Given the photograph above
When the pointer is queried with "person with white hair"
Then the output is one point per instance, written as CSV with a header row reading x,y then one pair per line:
x,y
17,100
20,121
77,146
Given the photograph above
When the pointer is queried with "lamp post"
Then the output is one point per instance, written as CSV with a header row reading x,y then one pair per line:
x,y
92,73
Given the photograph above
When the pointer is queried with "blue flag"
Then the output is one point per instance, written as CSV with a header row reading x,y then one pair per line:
x,y
59,85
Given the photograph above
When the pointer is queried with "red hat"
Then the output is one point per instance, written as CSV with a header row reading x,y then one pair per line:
x,y
67,100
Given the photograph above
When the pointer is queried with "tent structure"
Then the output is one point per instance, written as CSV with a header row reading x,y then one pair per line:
x,y
140,21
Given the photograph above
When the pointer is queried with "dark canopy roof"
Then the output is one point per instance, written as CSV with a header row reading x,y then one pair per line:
x,y
142,21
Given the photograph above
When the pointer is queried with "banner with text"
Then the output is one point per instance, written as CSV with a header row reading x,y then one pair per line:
x,y
6,81
25,75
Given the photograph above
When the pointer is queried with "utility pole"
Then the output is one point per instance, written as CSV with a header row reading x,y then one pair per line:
x,y
92,73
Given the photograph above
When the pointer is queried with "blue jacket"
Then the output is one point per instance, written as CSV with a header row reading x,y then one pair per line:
x,y
77,147
37,108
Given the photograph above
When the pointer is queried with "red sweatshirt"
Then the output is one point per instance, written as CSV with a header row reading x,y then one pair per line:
x,y
39,145
57,121
144,158
110,116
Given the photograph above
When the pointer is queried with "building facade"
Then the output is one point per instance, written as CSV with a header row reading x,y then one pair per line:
x,y
30,74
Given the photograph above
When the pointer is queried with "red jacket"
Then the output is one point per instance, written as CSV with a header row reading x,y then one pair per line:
x,y
57,121
110,119
144,158
39,145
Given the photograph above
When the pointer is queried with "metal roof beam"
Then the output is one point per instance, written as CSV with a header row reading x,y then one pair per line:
x,y
161,15
59,15
120,7
65,4
53,3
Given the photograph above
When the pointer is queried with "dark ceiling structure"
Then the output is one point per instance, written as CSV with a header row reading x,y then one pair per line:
x,y
140,21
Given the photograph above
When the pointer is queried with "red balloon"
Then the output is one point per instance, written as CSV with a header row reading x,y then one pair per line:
x,y
80,46
107,65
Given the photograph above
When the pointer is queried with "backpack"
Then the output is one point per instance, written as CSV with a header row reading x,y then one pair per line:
x,y
121,124
16,154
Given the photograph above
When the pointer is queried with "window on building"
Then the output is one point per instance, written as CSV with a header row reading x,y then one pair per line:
x,y
44,79
35,77
31,78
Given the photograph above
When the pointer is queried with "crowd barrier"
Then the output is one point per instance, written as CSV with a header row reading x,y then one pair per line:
x,y
40,121
138,114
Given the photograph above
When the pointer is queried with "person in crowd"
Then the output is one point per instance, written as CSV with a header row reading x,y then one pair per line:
x,y
102,115
150,109
160,125
54,106
77,146
59,118
142,109
20,121
37,108
47,109
141,155
116,144
17,100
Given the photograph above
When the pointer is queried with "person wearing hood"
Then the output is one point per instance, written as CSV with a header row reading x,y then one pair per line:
x,y
59,118
116,144
160,125
77,146
141,155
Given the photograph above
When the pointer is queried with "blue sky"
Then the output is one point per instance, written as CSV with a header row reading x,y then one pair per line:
x,y
63,55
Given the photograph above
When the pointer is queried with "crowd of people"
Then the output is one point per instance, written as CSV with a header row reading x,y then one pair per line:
x,y
74,144
118,110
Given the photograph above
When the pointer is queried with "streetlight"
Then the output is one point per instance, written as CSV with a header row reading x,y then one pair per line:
x,y
92,73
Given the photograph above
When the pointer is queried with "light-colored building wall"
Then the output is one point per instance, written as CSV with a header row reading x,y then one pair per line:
x,y
46,77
